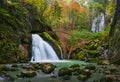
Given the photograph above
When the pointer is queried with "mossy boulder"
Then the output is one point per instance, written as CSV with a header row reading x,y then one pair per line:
x,y
82,77
28,67
4,68
64,71
94,60
54,43
75,66
86,72
37,65
75,69
47,68
80,55
93,53
28,74
90,67
92,45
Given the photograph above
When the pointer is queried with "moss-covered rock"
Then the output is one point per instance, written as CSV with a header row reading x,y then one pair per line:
x,y
28,67
4,68
90,67
94,60
82,77
64,71
93,53
47,68
74,66
28,74
92,45
85,72
37,66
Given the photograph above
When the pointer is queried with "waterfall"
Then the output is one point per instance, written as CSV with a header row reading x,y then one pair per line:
x,y
98,23
41,50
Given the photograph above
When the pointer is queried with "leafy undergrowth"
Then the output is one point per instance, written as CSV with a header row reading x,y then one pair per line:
x,y
77,35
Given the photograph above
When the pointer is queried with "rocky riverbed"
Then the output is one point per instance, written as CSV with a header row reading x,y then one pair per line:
x,y
72,71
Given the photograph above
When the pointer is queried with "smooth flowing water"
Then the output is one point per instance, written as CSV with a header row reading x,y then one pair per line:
x,y
42,51
98,23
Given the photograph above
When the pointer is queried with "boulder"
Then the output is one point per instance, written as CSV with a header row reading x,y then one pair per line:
x,y
64,71
47,68
28,74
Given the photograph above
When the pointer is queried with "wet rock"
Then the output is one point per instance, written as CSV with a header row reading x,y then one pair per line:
x,y
64,71
107,79
85,72
74,66
82,77
4,68
14,65
75,71
28,74
28,67
37,66
47,68
65,77
90,67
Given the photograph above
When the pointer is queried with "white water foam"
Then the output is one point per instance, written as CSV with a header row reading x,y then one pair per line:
x,y
42,51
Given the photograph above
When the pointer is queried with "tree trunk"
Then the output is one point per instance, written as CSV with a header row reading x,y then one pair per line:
x,y
114,40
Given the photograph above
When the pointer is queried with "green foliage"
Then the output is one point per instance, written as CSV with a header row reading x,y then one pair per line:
x,y
17,18
77,35
8,46
110,9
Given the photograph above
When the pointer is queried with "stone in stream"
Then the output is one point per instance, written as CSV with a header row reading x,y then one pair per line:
x,y
47,68
64,71
28,73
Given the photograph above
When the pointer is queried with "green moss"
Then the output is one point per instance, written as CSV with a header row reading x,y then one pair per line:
x,y
16,20
74,66
4,68
46,36
116,62
94,60
82,77
47,68
28,74
64,71
93,53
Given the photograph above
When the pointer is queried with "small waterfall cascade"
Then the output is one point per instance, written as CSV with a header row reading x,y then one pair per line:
x,y
98,23
41,50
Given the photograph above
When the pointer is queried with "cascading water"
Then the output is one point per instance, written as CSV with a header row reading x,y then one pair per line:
x,y
41,50
98,23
